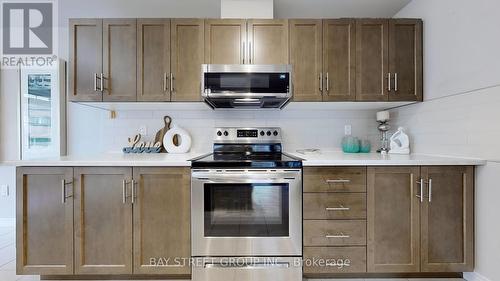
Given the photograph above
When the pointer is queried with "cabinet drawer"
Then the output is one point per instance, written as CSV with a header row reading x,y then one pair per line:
x,y
320,206
334,233
334,179
320,260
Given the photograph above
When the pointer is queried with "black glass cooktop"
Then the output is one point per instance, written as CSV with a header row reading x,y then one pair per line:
x,y
251,160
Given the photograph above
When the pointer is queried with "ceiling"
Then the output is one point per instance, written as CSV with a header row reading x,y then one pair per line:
x,y
337,8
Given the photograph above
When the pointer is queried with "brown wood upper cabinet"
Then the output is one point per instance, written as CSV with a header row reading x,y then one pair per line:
x,y
153,59
44,221
102,60
323,58
85,59
405,60
235,41
389,60
119,60
169,56
307,59
420,219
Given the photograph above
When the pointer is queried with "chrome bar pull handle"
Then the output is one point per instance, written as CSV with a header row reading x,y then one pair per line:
x,y
64,196
327,84
63,191
102,82
341,235
341,208
430,190
321,82
95,82
165,82
124,191
338,181
250,52
133,191
389,82
421,195
395,82
172,89
243,53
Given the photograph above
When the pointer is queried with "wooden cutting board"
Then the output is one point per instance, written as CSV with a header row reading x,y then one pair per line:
x,y
161,133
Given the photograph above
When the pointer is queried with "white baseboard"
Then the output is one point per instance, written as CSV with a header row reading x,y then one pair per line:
x,y
474,276
7,222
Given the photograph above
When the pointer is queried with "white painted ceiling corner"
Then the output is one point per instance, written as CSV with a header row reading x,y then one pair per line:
x,y
246,9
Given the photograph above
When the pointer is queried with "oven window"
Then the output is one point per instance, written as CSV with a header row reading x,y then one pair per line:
x,y
254,210
247,82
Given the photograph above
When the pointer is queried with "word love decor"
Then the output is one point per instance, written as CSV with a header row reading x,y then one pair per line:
x,y
137,146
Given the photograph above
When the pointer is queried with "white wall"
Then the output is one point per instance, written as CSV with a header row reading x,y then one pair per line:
x,y
462,99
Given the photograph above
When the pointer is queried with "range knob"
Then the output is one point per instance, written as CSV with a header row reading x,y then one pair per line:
x,y
219,133
226,133
262,133
269,133
275,133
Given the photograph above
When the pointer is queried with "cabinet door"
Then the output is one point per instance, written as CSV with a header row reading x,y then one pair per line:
x,y
372,59
44,221
187,58
448,219
339,53
119,59
162,220
393,219
225,41
405,59
85,59
268,41
153,59
306,59
103,220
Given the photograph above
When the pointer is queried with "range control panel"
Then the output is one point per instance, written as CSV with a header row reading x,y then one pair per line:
x,y
247,135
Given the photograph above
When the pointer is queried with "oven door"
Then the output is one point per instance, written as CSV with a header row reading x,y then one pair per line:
x,y
246,213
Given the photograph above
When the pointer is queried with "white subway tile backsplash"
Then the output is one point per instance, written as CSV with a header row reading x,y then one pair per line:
x,y
460,125
306,128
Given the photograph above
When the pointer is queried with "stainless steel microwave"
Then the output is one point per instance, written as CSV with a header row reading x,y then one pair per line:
x,y
246,85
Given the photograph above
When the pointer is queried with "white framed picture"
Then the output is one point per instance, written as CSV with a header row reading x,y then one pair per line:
x,y
43,112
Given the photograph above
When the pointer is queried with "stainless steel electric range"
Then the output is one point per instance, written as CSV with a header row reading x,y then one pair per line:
x,y
246,200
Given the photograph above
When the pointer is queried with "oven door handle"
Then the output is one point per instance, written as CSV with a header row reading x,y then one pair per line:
x,y
247,265
245,180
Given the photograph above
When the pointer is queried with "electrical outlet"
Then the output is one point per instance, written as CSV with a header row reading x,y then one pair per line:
x,y
4,190
143,130
347,130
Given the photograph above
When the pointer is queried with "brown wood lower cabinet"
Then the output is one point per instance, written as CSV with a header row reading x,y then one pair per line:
x,y
102,209
44,221
334,260
420,219
393,219
162,221
447,219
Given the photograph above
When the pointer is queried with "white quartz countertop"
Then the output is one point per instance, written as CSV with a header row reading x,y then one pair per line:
x,y
338,158
112,159
322,158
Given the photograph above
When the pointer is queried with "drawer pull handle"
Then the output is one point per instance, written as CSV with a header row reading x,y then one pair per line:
x,y
341,208
341,235
338,181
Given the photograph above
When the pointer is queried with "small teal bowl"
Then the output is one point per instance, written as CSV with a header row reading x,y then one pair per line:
x,y
350,145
